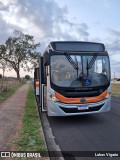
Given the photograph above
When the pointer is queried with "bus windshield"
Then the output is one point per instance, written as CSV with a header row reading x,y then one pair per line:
x,y
79,70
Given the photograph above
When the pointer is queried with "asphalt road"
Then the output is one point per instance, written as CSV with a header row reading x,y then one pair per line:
x,y
97,132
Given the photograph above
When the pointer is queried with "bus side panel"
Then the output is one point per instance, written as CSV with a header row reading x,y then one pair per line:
x,y
36,81
37,87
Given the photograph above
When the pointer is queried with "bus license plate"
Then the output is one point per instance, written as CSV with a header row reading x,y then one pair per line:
x,y
83,107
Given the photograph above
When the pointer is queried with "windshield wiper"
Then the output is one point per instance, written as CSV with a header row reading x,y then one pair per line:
x,y
90,64
72,62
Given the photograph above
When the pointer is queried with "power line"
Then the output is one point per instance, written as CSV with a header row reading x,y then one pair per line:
x,y
113,43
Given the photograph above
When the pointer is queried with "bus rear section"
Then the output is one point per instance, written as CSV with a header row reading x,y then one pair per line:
x,y
36,82
75,79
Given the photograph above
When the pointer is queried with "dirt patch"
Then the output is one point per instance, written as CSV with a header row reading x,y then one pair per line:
x,y
11,113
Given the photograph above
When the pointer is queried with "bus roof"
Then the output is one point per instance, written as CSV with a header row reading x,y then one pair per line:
x,y
73,47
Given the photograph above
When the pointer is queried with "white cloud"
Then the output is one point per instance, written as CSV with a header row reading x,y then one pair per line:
x,y
47,21
44,19
114,33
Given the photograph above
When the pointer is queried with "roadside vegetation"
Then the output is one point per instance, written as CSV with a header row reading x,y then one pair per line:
x,y
30,137
115,90
17,51
6,89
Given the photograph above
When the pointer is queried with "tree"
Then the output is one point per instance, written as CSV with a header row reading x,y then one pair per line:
x,y
27,77
20,51
4,65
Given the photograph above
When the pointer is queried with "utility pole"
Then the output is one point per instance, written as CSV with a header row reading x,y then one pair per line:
x,y
114,75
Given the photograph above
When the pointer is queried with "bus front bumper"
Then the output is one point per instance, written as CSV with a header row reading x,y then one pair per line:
x,y
61,109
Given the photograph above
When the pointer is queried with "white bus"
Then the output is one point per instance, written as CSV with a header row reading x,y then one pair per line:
x,y
74,79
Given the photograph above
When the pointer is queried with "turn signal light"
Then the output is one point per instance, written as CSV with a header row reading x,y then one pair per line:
x,y
53,98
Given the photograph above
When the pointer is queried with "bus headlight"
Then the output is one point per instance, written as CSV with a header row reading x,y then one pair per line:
x,y
53,98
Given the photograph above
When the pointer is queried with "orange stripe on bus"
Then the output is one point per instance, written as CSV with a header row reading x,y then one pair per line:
x,y
78,100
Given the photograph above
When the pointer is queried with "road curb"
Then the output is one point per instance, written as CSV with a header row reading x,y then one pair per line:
x,y
50,139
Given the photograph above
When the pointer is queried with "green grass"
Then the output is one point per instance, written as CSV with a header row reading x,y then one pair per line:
x,y
30,137
115,87
5,94
115,90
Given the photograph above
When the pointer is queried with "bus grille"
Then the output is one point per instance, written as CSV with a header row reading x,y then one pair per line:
x,y
75,110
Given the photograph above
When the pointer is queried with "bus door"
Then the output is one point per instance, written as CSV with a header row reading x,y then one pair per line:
x,y
44,97
43,88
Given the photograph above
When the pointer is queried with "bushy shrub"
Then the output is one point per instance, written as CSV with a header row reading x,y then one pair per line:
x,y
27,77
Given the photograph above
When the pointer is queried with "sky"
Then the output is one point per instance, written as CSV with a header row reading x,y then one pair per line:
x,y
50,20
